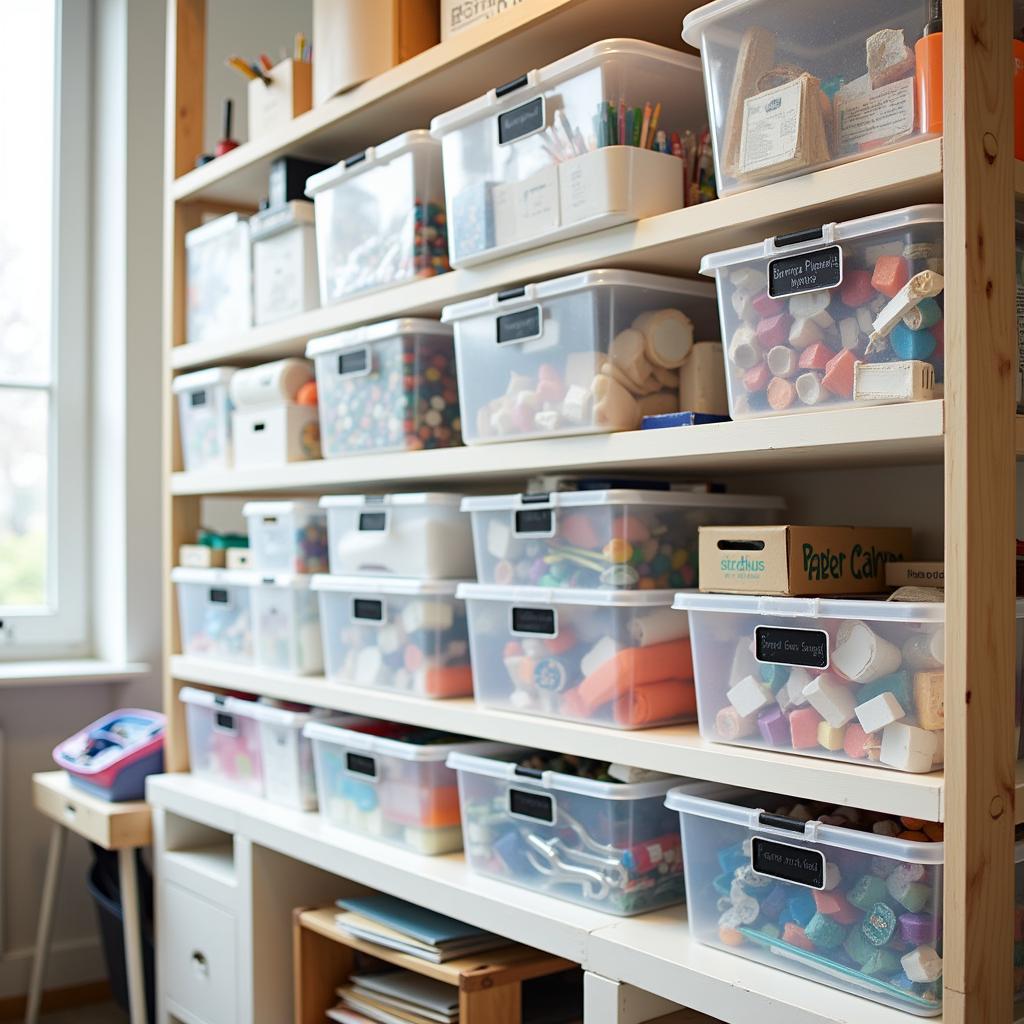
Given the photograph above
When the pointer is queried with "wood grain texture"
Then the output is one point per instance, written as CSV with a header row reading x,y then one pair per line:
x,y
502,1004
114,826
980,364
320,965
186,81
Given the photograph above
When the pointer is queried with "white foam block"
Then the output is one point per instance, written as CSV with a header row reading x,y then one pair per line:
x,y
922,964
862,655
433,614
831,699
908,748
749,695
880,712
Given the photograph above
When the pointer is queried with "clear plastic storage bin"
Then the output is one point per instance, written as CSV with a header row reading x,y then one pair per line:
x,y
615,658
531,162
852,909
848,314
388,633
611,846
204,418
615,539
287,536
215,613
284,262
218,270
583,354
224,743
395,789
422,535
380,217
286,620
795,87
387,387
848,679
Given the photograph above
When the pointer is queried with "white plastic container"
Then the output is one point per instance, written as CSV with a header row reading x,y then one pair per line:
x,y
423,535
755,882
795,88
614,658
387,633
583,354
615,539
215,613
398,790
608,845
218,268
284,262
380,217
224,743
387,387
527,164
204,418
286,620
286,536
824,318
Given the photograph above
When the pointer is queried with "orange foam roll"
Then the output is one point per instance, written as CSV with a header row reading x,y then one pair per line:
x,y
452,681
632,667
664,701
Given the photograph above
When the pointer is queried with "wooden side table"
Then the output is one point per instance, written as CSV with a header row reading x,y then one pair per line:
x,y
123,827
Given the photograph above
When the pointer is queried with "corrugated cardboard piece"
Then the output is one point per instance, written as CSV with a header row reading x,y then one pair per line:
x,y
799,561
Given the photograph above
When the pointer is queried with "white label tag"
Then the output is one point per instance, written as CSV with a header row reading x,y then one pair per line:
x,y
879,115
771,127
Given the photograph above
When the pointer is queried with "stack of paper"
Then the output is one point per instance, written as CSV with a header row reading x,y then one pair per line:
x,y
396,997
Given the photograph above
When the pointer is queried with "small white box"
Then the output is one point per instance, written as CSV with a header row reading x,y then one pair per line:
x,y
276,434
204,418
284,262
218,266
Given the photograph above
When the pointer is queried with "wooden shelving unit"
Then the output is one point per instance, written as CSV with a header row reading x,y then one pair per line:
x,y
970,438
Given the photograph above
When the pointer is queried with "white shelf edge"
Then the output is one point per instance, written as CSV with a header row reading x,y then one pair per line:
x,y
69,672
678,750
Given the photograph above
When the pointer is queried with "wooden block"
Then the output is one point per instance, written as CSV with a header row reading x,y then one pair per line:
x,y
909,380
200,556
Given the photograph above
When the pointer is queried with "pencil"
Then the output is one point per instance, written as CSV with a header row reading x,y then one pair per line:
x,y
651,135
239,65
646,126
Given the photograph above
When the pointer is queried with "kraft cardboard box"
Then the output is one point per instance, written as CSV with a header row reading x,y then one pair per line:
x,y
915,574
799,561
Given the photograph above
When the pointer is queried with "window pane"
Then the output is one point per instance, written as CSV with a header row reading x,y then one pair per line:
x,y
27,78
24,430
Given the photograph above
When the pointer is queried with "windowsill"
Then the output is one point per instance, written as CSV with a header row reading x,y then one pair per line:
x,y
68,672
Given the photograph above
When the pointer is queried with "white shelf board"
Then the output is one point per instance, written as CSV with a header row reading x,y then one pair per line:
x,y
653,952
678,749
88,671
897,434
671,243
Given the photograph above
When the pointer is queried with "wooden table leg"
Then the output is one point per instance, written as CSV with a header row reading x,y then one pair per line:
x,y
54,861
132,936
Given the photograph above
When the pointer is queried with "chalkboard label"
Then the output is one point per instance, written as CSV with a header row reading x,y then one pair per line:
x,y
361,764
198,399
350,363
368,610
519,326
375,522
226,722
534,621
780,645
521,121
535,806
218,596
808,272
535,522
790,863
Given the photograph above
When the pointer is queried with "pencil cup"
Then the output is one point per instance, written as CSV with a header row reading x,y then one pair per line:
x,y
288,95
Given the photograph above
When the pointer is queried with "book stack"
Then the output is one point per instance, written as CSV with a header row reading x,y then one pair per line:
x,y
395,997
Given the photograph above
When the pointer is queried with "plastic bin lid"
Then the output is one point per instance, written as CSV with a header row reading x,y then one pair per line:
x,y
203,379
872,609
272,221
537,79
514,298
256,709
693,23
215,577
373,585
566,595
844,231
280,508
211,229
359,163
291,580
418,498
509,771
353,739
619,496
685,802
371,333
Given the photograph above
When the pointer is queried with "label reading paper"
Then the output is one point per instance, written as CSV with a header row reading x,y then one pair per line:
x,y
781,645
790,863
808,272
771,127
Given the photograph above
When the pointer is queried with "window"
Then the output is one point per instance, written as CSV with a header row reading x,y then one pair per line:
x,y
44,284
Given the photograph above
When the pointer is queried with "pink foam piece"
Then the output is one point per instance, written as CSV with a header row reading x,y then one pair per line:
x,y
803,725
781,393
855,741
839,374
756,378
774,330
765,306
856,289
816,356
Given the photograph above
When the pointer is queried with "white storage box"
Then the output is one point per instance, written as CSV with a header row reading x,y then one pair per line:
x,y
218,267
530,162
204,418
286,620
846,314
215,613
795,87
582,354
388,633
852,909
286,536
422,535
395,789
387,387
284,262
615,539
380,217
224,743
611,846
615,658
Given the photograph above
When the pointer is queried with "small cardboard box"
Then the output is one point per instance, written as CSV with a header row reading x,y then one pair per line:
x,y
799,561
915,574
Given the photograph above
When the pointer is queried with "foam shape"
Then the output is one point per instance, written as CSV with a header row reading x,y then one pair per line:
x,y
627,353
742,306
731,725
830,737
781,393
908,748
888,57
773,725
744,349
836,906
865,320
925,285
908,344
743,663
922,965
369,667
803,727
602,651
812,306
668,336
831,699
925,650
856,289
878,712
862,655
748,279
576,404
891,273
825,932
773,330
839,374
809,389
782,361
929,699
792,693
815,357
804,332
756,379
925,315
430,614
850,332
748,696
615,406
659,626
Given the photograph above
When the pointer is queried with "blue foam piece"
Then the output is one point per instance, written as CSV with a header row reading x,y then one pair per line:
x,y
680,419
801,907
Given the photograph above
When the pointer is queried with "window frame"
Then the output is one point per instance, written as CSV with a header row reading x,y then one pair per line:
x,y
62,627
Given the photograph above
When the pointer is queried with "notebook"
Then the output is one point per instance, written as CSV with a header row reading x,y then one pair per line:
x,y
421,924
380,934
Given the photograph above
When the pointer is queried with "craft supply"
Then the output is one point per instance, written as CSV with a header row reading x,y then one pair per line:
x,y
226,143
287,536
283,261
204,418
286,624
928,72
214,613
219,278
